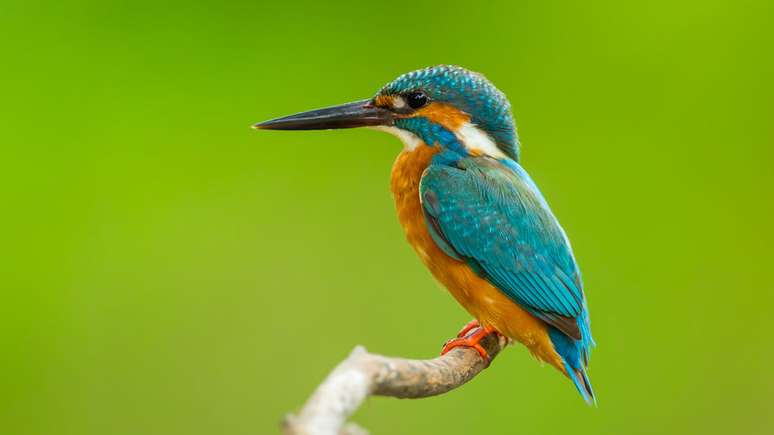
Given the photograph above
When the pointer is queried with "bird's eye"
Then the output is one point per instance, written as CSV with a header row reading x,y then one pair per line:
x,y
417,99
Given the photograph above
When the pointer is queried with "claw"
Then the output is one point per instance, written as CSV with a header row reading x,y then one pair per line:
x,y
471,339
465,329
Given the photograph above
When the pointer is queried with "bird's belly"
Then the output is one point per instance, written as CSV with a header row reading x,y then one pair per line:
x,y
480,298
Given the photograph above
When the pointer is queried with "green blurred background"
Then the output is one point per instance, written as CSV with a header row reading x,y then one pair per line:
x,y
168,270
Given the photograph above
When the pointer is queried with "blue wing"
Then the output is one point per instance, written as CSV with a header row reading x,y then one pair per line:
x,y
491,215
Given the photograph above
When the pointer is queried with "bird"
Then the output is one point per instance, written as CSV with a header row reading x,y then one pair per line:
x,y
472,213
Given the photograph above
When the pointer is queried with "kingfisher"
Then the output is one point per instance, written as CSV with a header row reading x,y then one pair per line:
x,y
473,215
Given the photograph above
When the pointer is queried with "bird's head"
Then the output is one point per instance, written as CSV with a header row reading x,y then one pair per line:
x,y
445,106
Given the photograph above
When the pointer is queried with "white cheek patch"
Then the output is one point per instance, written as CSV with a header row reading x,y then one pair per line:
x,y
475,139
410,140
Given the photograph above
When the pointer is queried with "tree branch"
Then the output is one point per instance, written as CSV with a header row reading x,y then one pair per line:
x,y
364,374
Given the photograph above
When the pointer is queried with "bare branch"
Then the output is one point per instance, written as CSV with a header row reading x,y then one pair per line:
x,y
364,374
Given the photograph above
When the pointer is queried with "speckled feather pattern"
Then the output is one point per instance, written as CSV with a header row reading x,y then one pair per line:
x,y
469,92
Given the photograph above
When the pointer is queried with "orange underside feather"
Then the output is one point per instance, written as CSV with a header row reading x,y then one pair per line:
x,y
480,298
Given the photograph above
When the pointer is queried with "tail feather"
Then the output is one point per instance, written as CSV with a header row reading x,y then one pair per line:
x,y
575,354
582,383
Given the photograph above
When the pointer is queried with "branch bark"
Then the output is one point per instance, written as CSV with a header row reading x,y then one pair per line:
x,y
364,374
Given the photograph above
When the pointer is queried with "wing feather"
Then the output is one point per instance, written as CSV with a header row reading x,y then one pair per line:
x,y
491,215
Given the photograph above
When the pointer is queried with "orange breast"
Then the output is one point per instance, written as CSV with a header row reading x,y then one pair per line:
x,y
480,298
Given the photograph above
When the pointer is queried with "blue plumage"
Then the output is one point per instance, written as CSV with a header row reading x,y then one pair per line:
x,y
468,91
472,212
490,214
432,133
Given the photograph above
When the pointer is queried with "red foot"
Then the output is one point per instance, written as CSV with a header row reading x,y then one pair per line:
x,y
466,338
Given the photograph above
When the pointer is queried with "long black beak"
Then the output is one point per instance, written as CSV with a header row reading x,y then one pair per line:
x,y
350,115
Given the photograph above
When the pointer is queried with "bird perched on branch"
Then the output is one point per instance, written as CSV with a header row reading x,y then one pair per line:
x,y
473,214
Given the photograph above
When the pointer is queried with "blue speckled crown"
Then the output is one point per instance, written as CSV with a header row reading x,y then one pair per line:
x,y
468,91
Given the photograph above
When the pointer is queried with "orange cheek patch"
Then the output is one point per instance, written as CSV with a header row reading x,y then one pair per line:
x,y
445,115
383,101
